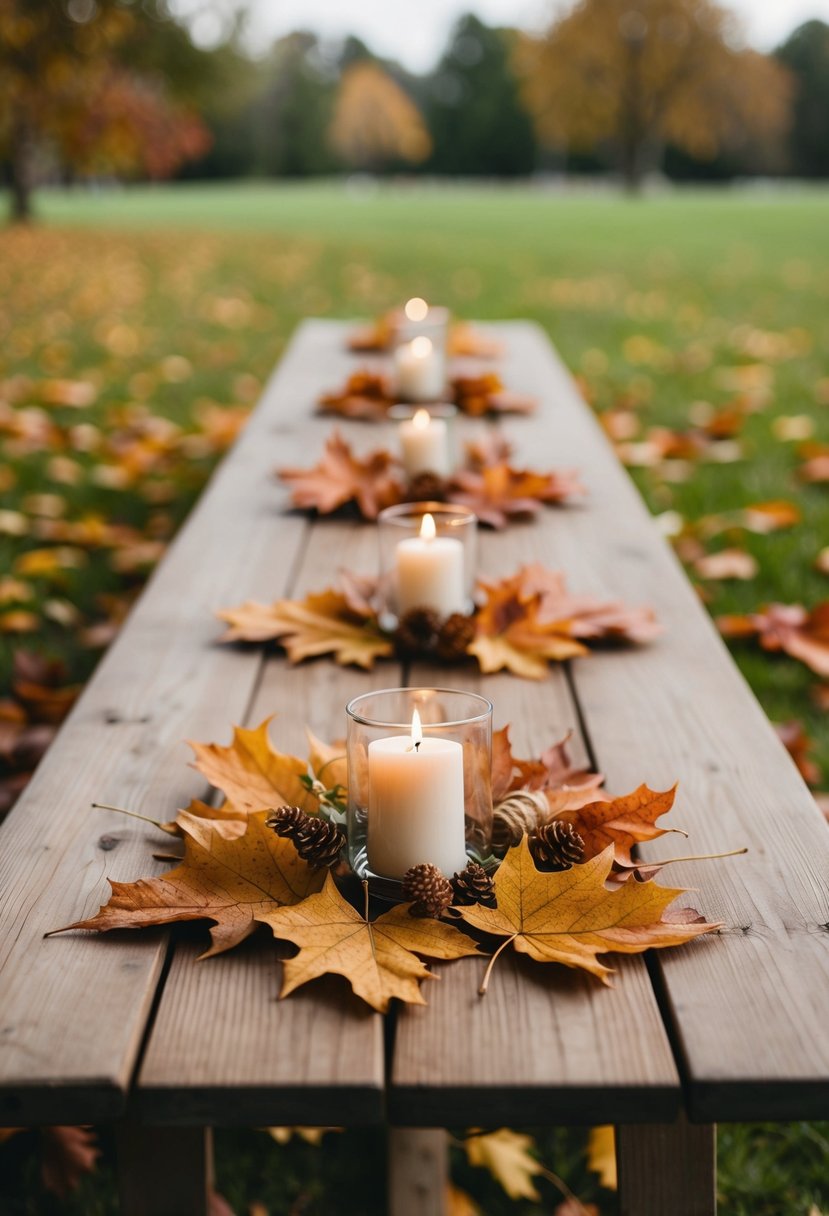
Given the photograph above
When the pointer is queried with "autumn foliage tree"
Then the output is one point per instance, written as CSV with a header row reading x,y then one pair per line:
x,y
66,96
375,122
635,75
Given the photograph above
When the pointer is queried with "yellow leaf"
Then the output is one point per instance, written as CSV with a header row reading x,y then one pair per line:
x,y
570,917
458,1203
378,958
328,762
311,1135
601,1154
506,1154
252,773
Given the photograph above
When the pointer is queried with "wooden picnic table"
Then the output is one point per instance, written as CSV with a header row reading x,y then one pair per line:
x,y
130,1028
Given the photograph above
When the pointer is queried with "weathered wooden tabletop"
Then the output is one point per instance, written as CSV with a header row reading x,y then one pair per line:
x,y
730,1027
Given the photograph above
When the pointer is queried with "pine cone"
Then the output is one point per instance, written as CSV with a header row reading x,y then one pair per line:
x,y
431,894
556,846
315,839
426,487
474,886
455,634
415,632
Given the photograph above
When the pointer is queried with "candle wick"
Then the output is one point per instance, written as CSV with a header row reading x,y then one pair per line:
x,y
417,745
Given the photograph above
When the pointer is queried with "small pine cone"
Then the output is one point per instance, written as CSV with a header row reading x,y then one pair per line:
x,y
556,846
286,820
316,840
431,894
474,886
455,635
426,487
416,632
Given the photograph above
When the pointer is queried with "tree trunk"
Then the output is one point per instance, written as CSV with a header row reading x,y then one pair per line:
x,y
20,163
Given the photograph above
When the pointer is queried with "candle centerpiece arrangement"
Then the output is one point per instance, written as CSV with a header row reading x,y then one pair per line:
x,y
419,370
426,438
427,559
419,784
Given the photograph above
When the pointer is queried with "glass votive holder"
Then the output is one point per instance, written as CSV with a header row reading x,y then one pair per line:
x,y
419,782
419,372
427,437
428,556
419,319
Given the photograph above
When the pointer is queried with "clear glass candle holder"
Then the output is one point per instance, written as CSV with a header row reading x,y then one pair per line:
x,y
419,319
429,446
428,556
419,782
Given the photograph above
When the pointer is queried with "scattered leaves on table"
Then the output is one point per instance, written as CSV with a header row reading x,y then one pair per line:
x,y
340,477
367,396
228,882
464,340
498,493
377,957
801,632
571,917
252,774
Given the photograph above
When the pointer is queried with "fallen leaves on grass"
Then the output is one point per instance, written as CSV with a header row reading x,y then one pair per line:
x,y
507,1156
377,957
341,477
231,883
798,744
601,1155
571,917
727,564
800,632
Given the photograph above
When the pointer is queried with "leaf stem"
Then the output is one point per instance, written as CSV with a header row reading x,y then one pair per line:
x,y
106,806
701,857
488,972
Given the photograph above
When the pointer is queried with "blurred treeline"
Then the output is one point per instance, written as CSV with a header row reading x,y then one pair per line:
x,y
118,88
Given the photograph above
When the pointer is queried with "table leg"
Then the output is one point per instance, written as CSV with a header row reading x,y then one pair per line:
x,y
418,1163
164,1171
667,1168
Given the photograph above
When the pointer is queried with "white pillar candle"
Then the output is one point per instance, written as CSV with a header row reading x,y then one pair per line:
x,y
415,804
419,370
424,444
429,572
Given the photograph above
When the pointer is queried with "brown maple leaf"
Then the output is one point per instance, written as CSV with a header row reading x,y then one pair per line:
x,y
530,618
466,342
378,336
570,916
798,744
621,822
252,774
322,623
66,1154
367,396
801,633
485,394
552,771
497,492
341,477
228,882
377,957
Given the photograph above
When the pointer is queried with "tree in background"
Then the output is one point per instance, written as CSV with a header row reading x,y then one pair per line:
x,y
66,94
637,74
806,54
292,113
477,119
375,123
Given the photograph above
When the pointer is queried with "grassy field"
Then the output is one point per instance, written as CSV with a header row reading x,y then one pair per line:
x,y
137,326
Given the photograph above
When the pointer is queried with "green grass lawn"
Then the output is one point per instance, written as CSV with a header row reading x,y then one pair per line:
x,y
170,304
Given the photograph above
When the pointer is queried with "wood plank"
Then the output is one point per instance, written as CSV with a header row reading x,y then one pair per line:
x,y
747,1008
316,1058
418,1172
73,1009
667,1168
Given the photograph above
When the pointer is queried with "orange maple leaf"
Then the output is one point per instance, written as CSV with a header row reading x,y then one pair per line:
x,y
341,477
252,774
366,395
801,633
497,492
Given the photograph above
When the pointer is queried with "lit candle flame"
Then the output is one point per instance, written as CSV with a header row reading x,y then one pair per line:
x,y
421,347
417,730
428,531
416,309
421,420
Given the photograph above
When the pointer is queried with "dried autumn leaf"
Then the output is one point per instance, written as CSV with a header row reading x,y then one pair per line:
x,y
822,561
506,1154
621,822
458,1203
341,477
252,773
466,342
801,633
367,396
601,1154
228,820
530,619
378,958
322,623
798,744
553,771
726,564
229,882
66,1154
485,394
498,492
570,916
815,470
765,517
328,761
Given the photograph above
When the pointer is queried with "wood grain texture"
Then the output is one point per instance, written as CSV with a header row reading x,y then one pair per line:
x,y
747,1008
667,1168
73,1009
